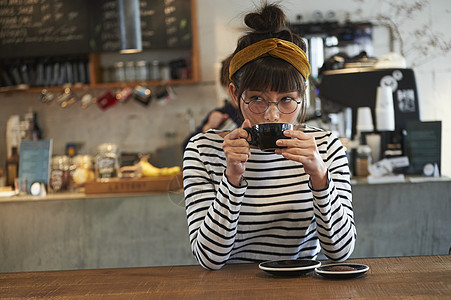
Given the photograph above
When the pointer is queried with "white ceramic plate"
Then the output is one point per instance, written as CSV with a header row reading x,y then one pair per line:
x,y
342,270
289,267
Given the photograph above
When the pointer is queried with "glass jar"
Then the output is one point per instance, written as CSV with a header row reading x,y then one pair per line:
x,y
155,70
107,162
60,174
165,72
141,70
83,170
108,74
119,71
130,73
363,160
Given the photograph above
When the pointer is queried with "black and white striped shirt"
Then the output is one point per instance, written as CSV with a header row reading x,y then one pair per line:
x,y
275,214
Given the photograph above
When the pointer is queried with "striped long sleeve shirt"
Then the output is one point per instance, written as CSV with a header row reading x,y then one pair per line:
x,y
274,214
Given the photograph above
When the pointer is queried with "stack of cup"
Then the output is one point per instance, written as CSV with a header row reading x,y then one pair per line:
x,y
364,120
385,112
364,124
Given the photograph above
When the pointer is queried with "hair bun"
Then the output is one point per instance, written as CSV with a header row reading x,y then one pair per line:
x,y
270,19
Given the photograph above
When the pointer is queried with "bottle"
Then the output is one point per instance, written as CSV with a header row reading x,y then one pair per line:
x,y
363,160
36,133
27,125
12,167
2,178
60,174
107,162
394,147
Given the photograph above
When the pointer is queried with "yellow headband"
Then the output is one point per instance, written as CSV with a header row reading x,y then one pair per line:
x,y
275,47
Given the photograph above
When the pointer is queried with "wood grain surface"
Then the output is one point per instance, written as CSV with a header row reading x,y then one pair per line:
x,y
420,277
136,185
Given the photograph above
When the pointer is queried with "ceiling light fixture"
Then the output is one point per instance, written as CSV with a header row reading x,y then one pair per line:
x,y
130,26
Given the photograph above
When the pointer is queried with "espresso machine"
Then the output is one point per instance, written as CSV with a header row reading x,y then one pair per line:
x,y
357,87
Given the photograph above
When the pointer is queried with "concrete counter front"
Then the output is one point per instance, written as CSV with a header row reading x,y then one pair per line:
x,y
75,231
402,219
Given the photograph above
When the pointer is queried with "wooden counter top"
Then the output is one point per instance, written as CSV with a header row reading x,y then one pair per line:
x,y
72,196
425,277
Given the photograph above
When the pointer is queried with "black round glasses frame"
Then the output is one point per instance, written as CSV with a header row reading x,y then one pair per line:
x,y
268,103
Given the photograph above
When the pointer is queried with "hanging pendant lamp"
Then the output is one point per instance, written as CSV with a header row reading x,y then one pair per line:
x,y
130,26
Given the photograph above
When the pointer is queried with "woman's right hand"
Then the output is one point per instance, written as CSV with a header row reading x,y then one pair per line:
x,y
237,152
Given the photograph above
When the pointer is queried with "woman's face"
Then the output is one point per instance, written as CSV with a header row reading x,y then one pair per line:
x,y
272,114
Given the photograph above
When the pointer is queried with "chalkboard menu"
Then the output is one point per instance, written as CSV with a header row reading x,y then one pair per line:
x,y
34,162
43,27
58,27
164,24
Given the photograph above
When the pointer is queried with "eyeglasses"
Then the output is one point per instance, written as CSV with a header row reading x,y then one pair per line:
x,y
258,105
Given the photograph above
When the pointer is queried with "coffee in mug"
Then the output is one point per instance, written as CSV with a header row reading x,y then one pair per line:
x,y
265,135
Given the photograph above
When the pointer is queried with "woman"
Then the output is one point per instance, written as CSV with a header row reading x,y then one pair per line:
x,y
245,205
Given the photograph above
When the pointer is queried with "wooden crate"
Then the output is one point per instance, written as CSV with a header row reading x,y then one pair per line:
x,y
138,185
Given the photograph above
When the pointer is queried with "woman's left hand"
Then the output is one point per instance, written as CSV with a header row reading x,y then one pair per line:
x,y
302,148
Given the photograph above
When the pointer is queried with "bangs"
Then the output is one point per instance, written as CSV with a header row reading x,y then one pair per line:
x,y
271,74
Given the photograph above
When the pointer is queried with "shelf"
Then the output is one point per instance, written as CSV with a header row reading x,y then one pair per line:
x,y
95,69
112,85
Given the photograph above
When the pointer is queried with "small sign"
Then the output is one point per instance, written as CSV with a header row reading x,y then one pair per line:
x,y
34,161
423,145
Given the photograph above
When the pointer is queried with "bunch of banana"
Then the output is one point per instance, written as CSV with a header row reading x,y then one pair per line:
x,y
148,170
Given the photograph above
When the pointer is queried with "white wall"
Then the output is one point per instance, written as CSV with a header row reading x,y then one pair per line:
x,y
138,128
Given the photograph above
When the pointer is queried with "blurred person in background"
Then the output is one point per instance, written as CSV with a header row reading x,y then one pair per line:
x,y
225,117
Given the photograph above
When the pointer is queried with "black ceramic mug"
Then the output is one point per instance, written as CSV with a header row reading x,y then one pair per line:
x,y
265,135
